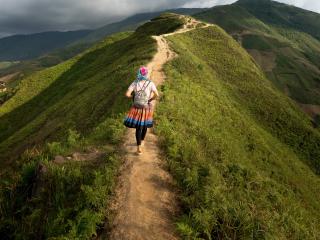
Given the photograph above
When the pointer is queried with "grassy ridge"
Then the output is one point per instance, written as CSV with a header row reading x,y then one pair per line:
x,y
280,14
233,19
288,53
236,146
77,106
242,153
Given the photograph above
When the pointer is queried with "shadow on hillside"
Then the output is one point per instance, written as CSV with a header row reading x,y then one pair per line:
x,y
50,108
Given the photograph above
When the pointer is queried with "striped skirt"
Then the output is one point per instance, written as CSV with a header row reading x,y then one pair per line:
x,y
139,117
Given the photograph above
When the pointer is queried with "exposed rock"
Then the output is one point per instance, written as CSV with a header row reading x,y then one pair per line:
x,y
80,157
59,159
87,156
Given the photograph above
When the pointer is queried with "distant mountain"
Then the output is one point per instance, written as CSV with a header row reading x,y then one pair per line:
x,y
23,47
283,40
26,47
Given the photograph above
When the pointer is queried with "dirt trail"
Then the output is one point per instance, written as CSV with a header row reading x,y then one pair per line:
x,y
145,201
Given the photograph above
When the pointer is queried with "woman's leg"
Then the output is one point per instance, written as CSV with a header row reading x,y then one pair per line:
x,y
139,135
143,133
139,138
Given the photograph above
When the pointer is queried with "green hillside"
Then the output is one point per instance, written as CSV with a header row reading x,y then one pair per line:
x,y
242,153
246,160
280,39
280,14
76,106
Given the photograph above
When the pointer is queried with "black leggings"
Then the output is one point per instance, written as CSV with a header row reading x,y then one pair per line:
x,y
141,134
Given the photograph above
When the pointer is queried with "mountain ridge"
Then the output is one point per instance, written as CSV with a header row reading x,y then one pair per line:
x,y
288,56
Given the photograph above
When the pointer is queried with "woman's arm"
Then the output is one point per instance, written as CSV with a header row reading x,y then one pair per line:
x,y
155,95
130,90
129,93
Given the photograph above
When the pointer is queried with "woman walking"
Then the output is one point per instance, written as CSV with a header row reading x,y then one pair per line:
x,y
140,115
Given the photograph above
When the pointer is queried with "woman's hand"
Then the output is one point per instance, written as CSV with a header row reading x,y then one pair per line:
x,y
155,95
129,94
151,99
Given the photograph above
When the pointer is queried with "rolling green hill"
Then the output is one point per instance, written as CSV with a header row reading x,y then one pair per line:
x,y
284,41
239,149
280,14
246,159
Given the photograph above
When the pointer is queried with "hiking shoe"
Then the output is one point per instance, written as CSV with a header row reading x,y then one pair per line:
x,y
139,152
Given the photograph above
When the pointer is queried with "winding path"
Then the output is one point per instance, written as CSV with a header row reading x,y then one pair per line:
x,y
146,202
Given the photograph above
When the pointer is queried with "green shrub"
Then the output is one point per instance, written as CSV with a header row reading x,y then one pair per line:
x,y
317,120
111,130
73,138
60,201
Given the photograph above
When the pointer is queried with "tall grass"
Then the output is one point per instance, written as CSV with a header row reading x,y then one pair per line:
x,y
58,201
242,153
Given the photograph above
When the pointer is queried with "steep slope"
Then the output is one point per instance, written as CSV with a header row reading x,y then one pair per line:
x,y
60,137
42,97
22,47
242,153
44,94
280,14
286,50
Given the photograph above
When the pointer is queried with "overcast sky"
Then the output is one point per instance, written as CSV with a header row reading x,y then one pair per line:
x,y
29,16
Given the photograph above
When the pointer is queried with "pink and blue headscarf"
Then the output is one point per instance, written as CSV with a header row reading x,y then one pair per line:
x,y
142,74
